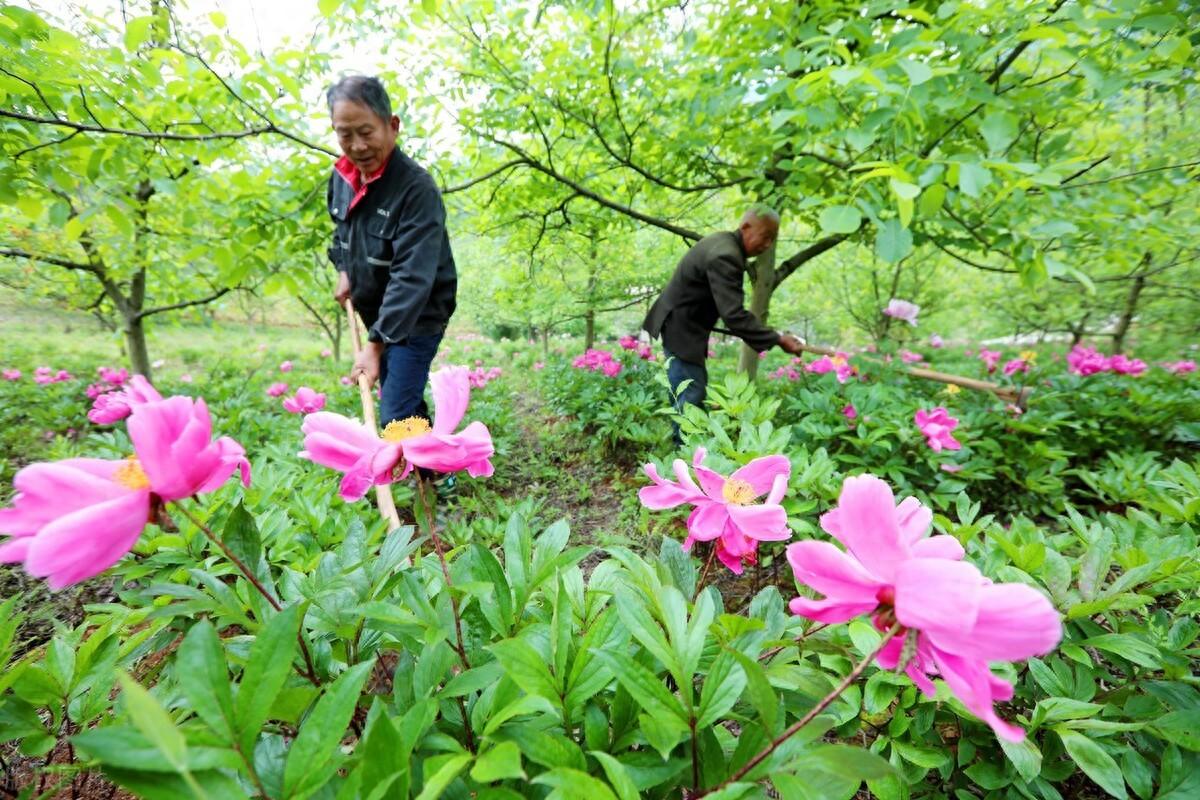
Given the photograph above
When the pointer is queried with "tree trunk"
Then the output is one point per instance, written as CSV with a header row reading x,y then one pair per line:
x,y
762,287
1126,319
589,335
135,346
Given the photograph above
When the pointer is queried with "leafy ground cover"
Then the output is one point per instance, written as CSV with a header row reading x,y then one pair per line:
x,y
571,647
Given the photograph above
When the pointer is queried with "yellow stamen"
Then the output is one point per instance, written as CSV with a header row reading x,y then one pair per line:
x,y
131,474
738,492
399,430
1028,355
952,389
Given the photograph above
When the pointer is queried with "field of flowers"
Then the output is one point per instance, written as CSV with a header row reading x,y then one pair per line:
x,y
851,579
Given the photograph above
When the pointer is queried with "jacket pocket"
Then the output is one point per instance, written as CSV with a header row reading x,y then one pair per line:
x,y
379,252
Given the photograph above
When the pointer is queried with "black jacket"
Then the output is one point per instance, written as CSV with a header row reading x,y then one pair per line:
x,y
707,285
394,246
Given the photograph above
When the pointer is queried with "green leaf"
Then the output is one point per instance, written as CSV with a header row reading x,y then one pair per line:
x,y
760,692
973,179
646,689
662,732
154,722
446,773
571,783
1126,646
265,673
918,72
1180,727
893,242
618,776
904,189
722,687
241,537
317,741
204,677
500,762
1024,755
998,130
932,199
328,7
526,668
840,219
1094,761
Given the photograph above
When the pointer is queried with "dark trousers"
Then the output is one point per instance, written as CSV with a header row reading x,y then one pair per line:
x,y
403,373
679,371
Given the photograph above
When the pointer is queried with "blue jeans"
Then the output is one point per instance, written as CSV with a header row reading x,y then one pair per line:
x,y
403,373
679,371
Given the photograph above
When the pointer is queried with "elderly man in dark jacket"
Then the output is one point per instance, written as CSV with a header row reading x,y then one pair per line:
x,y
707,286
390,247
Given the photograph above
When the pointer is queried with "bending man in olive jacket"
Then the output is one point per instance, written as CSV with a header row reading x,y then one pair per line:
x,y
707,286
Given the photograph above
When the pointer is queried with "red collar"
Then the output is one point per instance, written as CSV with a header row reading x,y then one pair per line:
x,y
350,174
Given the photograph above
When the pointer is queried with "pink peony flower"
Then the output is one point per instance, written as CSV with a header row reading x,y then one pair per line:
x,y
538,366
612,369
837,364
345,381
277,389
116,377
957,619
71,520
173,441
724,508
935,341
368,459
63,375
12,374
990,358
1127,366
936,424
850,412
909,357
1174,367
712,353
951,468
286,366
305,401
1086,361
94,390
904,310
185,377
1016,365
628,343
112,407
326,353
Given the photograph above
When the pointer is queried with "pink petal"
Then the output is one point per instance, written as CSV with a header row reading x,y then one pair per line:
x,y
764,523
734,563
88,541
865,522
1014,622
337,442
451,390
449,452
830,611
664,494
778,490
946,547
761,473
914,520
973,683
837,575
713,483
937,595
707,521
48,490
15,550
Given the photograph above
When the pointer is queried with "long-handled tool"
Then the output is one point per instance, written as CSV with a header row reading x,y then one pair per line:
x,y
383,494
1010,393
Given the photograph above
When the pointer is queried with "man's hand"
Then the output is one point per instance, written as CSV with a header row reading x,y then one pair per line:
x,y
367,363
790,344
341,292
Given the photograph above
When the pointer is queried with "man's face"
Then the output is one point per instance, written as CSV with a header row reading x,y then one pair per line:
x,y
366,138
758,235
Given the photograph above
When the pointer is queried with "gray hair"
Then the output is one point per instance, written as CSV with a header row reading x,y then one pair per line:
x,y
761,211
365,90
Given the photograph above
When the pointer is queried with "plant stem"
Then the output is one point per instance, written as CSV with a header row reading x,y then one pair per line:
x,y
712,553
459,646
311,673
810,716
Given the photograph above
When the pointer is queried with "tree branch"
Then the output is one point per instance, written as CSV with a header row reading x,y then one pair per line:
x,y
794,262
176,306
12,252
